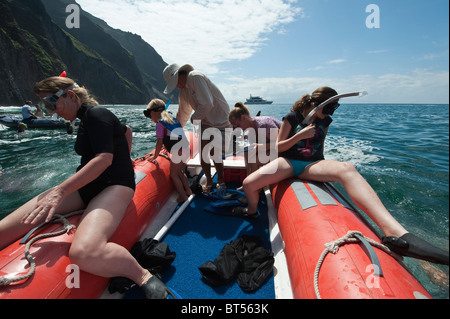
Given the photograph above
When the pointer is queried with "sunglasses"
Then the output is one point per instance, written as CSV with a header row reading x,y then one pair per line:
x,y
50,101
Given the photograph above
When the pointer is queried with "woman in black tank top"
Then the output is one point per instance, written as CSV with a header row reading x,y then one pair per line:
x,y
300,150
103,186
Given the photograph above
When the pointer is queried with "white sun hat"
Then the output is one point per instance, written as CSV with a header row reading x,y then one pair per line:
x,y
170,75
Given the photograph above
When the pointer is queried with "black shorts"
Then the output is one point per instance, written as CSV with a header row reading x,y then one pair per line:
x,y
88,192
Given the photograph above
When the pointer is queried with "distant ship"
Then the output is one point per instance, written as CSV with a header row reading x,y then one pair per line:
x,y
257,100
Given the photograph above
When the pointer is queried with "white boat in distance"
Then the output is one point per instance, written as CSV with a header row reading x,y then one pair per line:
x,y
257,100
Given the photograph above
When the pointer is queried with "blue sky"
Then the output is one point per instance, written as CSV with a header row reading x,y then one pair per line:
x,y
281,49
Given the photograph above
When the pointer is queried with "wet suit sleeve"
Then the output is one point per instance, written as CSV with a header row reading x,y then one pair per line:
x,y
100,127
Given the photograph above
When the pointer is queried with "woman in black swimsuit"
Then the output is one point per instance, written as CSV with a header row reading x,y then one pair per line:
x,y
103,186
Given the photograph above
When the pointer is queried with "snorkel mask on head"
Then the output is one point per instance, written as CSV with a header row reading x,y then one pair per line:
x,y
148,112
50,101
328,107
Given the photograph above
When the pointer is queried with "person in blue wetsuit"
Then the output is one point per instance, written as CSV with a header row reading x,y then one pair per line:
x,y
103,186
169,133
300,150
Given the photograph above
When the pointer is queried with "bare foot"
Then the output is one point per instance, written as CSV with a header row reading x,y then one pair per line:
x,y
438,276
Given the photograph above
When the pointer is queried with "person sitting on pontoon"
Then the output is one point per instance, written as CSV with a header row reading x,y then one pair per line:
x,y
300,148
27,112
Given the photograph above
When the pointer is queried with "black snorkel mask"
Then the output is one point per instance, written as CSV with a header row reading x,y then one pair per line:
x,y
329,106
148,113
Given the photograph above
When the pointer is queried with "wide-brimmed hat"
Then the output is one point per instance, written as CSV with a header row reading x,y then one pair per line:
x,y
170,75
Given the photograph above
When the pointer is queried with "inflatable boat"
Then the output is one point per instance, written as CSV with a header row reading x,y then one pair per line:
x,y
49,123
52,277
331,250
303,220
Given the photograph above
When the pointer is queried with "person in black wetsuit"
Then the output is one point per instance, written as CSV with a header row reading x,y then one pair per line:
x,y
103,186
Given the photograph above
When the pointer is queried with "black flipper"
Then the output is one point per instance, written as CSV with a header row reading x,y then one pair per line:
x,y
154,288
237,211
230,194
222,211
412,246
230,202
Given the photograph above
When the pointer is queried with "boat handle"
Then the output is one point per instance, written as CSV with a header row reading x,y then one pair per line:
x,y
377,271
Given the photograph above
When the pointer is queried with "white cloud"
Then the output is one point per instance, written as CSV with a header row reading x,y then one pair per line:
x,y
206,33
337,61
377,51
198,32
433,56
418,86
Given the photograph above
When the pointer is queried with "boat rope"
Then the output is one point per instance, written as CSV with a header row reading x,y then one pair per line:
x,y
67,227
333,247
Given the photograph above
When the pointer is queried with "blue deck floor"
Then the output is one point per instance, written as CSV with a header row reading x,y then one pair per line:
x,y
199,236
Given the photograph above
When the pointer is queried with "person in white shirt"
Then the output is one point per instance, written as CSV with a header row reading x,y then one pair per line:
x,y
27,112
199,94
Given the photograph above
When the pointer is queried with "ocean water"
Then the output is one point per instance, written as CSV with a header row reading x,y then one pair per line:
x,y
402,150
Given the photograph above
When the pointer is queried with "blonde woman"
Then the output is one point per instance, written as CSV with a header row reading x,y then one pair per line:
x,y
103,186
169,134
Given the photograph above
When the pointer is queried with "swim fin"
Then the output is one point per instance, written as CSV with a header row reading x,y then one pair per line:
x,y
230,202
154,288
235,211
222,211
412,246
230,194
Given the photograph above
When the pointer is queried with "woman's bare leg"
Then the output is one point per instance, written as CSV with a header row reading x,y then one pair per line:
x,y
91,249
361,193
268,174
180,181
12,228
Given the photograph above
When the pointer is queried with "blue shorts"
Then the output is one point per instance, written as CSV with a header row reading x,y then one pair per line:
x,y
298,166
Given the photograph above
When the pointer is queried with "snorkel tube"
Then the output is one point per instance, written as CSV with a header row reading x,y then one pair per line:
x,y
307,120
170,101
